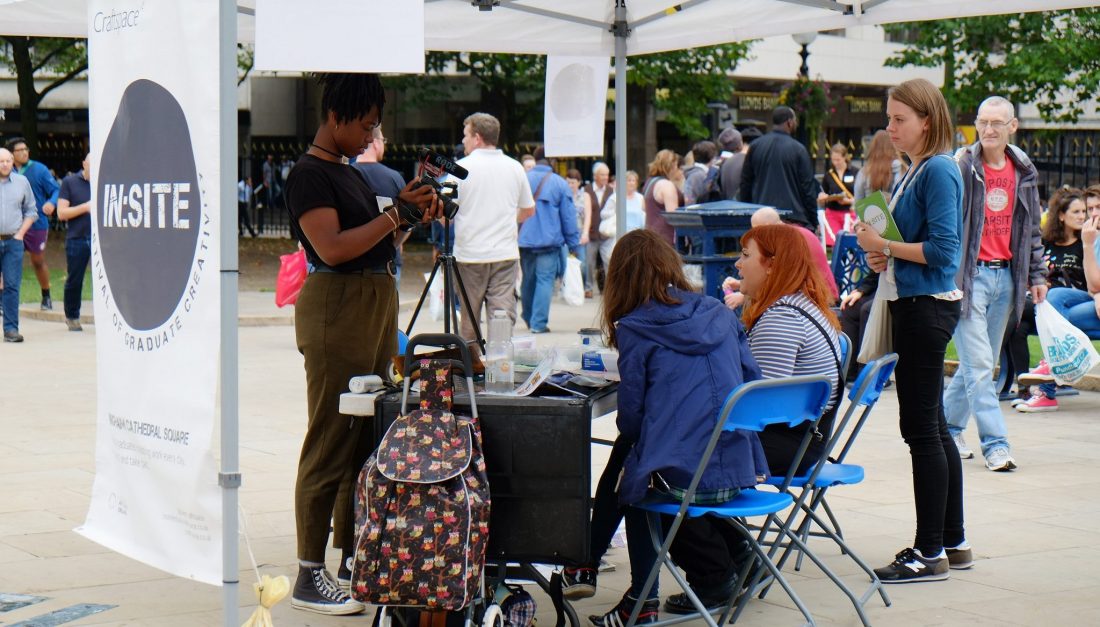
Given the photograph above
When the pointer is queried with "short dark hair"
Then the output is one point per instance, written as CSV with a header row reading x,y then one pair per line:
x,y
540,154
782,114
704,151
350,96
14,141
751,134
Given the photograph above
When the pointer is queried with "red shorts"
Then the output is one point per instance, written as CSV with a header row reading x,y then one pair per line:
x,y
35,240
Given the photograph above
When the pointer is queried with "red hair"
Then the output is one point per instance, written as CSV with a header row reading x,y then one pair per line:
x,y
793,268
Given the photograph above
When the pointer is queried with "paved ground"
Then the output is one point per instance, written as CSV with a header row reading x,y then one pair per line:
x,y
1032,530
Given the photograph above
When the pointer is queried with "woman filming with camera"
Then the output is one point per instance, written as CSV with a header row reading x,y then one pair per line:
x,y
345,319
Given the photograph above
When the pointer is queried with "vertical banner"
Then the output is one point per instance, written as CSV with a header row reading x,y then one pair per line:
x,y
576,105
155,177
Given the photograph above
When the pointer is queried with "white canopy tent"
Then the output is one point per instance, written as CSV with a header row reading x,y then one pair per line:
x,y
617,28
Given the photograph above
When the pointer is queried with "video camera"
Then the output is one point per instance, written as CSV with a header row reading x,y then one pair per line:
x,y
432,166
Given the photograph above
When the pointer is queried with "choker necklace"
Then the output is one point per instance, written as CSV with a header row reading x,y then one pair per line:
x,y
339,156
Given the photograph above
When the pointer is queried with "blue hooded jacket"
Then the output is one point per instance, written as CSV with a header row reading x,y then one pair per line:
x,y
678,363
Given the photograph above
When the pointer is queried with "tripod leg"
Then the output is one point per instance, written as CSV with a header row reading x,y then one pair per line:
x,y
466,299
424,295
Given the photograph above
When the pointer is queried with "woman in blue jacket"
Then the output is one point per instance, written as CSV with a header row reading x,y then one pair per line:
x,y
680,355
925,306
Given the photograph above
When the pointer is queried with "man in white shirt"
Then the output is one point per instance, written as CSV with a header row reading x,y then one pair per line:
x,y
495,198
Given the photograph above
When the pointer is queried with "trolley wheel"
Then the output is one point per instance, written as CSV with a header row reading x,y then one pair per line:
x,y
493,616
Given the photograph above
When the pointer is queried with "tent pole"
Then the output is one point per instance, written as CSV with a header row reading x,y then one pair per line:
x,y
621,33
230,476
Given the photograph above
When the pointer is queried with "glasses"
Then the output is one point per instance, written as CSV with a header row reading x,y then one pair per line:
x,y
23,149
996,125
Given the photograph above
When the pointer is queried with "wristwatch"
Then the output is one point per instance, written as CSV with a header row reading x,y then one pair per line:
x,y
886,250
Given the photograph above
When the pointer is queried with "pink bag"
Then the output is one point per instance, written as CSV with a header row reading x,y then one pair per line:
x,y
292,275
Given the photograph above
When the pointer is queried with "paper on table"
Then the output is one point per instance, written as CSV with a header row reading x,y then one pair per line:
x,y
875,211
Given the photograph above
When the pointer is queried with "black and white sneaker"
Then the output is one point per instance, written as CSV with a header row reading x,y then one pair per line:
x,y
316,591
960,557
620,614
343,574
910,566
578,583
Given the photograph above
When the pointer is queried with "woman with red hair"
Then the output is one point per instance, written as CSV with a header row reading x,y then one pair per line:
x,y
791,332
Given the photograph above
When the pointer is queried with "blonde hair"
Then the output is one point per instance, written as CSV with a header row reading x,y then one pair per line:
x,y
925,99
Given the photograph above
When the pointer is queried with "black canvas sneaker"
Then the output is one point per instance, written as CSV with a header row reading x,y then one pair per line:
x,y
910,566
578,583
343,574
316,591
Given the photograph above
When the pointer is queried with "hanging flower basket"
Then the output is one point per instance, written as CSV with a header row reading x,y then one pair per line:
x,y
811,101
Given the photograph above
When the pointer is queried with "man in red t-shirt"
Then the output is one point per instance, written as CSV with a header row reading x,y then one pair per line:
x,y
1002,260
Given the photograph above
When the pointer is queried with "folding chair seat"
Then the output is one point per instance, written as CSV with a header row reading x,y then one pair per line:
x,y
826,473
751,406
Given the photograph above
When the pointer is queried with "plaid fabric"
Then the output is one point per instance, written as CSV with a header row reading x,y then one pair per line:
x,y
518,607
702,497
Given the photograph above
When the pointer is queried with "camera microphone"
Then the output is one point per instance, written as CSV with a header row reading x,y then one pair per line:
x,y
443,163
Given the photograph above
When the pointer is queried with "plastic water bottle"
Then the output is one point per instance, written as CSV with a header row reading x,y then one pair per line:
x,y
499,354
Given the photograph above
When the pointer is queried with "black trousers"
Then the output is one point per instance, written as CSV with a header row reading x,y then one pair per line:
x,y
922,327
853,320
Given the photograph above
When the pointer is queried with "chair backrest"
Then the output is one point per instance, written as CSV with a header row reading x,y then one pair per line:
x,y
865,393
789,400
849,263
845,354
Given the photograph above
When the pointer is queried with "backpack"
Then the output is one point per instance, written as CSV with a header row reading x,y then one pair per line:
x,y
711,187
422,506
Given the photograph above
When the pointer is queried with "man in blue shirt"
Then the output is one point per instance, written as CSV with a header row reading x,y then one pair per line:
x,y
386,183
45,189
74,203
540,241
17,214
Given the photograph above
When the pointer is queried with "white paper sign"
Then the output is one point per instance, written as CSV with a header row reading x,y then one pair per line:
x,y
155,182
576,105
340,36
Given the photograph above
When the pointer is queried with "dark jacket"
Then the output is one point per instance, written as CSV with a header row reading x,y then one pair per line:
x,y
1026,243
678,363
777,172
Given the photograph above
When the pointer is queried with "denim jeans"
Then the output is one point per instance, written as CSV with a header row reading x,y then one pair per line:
x,y
540,269
922,327
78,250
1078,308
11,267
978,343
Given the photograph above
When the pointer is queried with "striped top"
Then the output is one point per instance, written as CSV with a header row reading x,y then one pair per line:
x,y
786,344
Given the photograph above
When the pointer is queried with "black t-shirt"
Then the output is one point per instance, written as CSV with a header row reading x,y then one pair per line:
x,y
77,190
317,183
1066,265
829,185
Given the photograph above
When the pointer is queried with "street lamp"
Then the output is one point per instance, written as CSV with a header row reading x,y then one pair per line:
x,y
804,40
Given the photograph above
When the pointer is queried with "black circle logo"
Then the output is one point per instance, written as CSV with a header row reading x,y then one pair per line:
x,y
149,208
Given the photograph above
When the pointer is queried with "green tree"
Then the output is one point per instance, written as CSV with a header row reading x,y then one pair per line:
x,y
684,81
53,59
1051,59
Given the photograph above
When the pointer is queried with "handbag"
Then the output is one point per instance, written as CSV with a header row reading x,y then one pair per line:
x,y
878,338
1067,349
292,275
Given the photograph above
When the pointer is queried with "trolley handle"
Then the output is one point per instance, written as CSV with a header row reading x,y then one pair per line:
x,y
439,340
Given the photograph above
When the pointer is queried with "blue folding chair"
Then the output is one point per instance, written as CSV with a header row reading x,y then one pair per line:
x,y
751,406
849,263
825,474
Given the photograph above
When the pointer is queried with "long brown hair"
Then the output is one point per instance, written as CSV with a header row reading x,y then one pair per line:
x,y
643,268
1054,227
878,167
794,270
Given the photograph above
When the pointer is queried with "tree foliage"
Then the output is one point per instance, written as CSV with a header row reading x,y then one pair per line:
x,y
1051,59
686,80
512,85
53,59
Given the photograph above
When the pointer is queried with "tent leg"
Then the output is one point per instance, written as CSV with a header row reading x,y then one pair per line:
x,y
621,33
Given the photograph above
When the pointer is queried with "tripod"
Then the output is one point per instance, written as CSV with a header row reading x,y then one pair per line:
x,y
451,276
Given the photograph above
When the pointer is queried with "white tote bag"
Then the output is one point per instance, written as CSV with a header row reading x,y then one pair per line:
x,y
1067,349
572,287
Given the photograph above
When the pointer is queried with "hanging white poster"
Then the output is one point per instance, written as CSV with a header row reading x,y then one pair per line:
x,y
155,177
576,105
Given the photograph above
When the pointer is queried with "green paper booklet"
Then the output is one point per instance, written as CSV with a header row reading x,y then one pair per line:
x,y
874,210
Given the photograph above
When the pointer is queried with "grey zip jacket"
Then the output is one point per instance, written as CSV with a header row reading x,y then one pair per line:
x,y
1026,244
